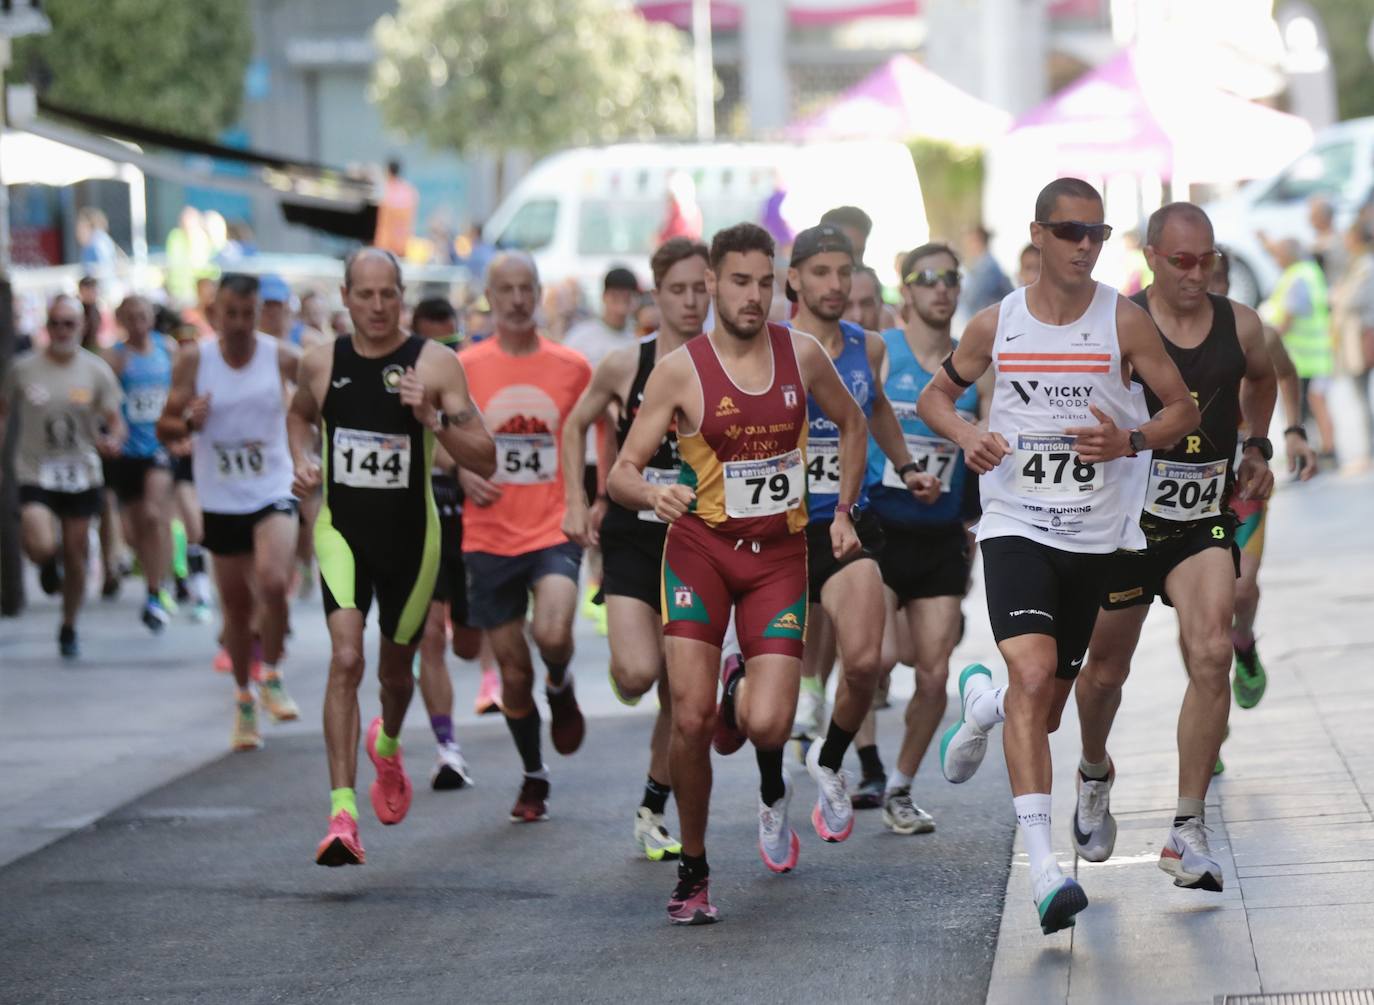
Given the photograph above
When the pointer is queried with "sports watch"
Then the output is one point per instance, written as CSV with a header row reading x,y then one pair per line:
x,y
1138,443
1262,444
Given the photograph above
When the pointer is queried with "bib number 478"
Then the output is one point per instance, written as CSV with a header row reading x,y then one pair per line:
x,y
1038,467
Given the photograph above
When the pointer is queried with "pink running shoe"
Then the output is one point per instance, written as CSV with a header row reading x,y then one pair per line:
x,y
727,740
391,791
223,664
341,845
690,903
489,693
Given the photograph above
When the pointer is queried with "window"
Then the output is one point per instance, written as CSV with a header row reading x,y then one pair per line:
x,y
1323,171
620,226
532,226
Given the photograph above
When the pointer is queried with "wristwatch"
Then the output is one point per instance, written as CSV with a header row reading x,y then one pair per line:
x,y
908,466
1262,444
850,510
1138,443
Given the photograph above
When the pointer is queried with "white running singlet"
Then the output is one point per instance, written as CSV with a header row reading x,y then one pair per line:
x,y
1046,376
240,458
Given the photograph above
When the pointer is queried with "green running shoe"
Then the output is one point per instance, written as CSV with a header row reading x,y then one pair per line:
x,y
1250,680
626,701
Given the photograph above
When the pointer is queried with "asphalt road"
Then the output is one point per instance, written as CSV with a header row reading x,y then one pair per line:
x,y
204,890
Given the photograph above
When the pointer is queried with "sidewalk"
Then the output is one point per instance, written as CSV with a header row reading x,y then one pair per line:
x,y
1291,817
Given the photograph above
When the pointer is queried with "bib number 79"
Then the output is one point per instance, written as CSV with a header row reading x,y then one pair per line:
x,y
777,486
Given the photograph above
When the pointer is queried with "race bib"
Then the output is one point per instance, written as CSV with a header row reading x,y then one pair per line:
x,y
65,474
145,404
1183,492
363,459
238,461
528,459
657,476
931,454
766,487
823,467
1046,465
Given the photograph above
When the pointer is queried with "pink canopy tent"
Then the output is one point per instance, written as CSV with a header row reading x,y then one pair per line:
x,y
902,100
726,15
1138,115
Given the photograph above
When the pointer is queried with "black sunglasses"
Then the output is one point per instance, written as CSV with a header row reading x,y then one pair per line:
x,y
1075,230
929,277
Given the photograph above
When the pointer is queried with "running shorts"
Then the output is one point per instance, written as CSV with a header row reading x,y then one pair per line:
x,y
1251,516
64,505
355,566
631,562
1135,578
451,583
1034,589
127,475
232,533
499,586
181,469
925,560
706,573
821,562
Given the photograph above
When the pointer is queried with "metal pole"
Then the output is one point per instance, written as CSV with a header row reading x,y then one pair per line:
x,y
704,72
11,566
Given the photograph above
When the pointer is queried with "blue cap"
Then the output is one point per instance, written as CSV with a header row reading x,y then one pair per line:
x,y
273,287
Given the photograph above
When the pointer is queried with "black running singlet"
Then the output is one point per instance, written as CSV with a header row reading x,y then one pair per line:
x,y
662,466
1193,480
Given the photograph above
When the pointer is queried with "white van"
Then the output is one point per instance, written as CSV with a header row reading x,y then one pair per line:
x,y
1339,168
582,211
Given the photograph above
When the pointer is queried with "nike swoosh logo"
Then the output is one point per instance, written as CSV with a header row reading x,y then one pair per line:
x,y
1012,338
342,382
1078,835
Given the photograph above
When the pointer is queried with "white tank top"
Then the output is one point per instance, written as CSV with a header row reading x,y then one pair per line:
x,y
1046,376
240,459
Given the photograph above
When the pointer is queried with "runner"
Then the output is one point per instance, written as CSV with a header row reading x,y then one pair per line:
x,y
141,475
1250,679
513,542
377,401
632,543
1065,501
818,281
865,305
926,564
735,539
62,398
230,393
187,507
1190,560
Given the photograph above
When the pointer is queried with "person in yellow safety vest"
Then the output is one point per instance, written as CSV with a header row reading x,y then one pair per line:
x,y
1298,307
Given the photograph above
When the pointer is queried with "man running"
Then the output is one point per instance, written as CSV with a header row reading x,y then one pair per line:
x,y
230,393
141,475
1060,492
849,590
377,401
513,539
926,563
1190,560
738,398
632,543
68,406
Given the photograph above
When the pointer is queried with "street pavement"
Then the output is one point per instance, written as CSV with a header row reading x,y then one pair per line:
x,y
140,861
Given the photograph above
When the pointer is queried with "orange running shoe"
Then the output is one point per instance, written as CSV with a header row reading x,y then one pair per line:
x,y
341,845
391,791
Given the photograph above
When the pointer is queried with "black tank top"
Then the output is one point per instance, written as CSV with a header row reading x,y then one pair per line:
x,y
665,458
377,457
1213,371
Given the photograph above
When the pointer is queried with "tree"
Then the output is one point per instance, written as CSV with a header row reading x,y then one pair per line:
x,y
1347,33
529,75
168,64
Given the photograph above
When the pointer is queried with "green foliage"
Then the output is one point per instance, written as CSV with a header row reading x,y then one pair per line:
x,y
529,75
952,184
1347,29
169,64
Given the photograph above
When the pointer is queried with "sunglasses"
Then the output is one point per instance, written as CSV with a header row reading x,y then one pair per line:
x,y
1186,261
1074,230
929,277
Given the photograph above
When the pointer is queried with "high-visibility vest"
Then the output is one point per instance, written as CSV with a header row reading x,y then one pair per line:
x,y
1308,339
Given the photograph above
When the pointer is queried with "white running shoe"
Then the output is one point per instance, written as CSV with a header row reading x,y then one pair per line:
x,y
779,846
1058,898
1187,857
963,745
653,838
450,770
901,815
1094,827
833,816
810,710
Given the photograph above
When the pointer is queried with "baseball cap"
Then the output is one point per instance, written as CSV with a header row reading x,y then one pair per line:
x,y
273,287
814,241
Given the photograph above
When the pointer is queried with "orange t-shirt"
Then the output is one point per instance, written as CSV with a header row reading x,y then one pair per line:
x,y
524,400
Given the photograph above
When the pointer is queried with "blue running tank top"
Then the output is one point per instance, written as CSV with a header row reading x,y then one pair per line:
x,y
146,378
823,437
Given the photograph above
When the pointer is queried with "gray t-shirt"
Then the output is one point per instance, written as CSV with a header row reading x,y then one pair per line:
x,y
59,408
596,340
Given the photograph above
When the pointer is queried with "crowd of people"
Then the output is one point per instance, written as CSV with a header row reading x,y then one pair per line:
x,y
763,466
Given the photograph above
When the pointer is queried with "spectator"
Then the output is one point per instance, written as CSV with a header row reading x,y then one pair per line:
x,y
99,253
188,254
597,337
1029,266
92,318
646,317
1328,247
396,211
1298,311
474,253
1352,323
984,282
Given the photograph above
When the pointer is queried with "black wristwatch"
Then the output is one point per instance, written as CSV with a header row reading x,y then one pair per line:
x,y
908,466
1138,443
1296,431
1262,444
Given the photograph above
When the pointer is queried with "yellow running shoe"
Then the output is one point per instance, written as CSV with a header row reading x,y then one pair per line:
x,y
653,838
279,705
628,702
245,735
